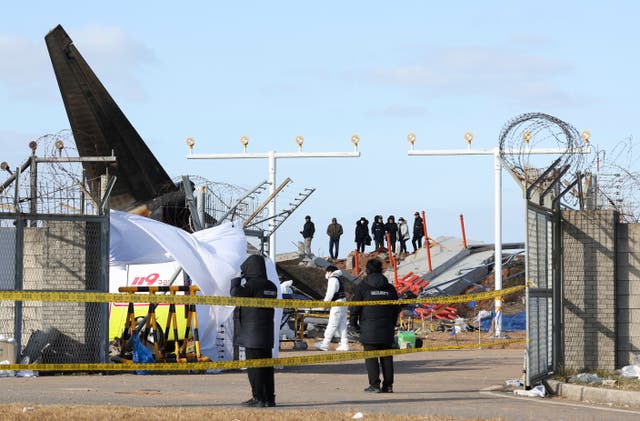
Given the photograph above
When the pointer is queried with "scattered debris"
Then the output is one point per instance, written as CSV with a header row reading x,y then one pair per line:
x,y
586,378
406,339
6,373
514,382
630,371
536,392
27,373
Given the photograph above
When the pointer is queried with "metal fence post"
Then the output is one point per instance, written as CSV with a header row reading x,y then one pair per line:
x,y
19,284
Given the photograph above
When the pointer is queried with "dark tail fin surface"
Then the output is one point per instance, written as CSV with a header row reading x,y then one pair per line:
x,y
100,128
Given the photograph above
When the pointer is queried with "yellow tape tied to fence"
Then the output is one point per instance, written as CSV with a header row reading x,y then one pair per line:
x,y
94,297
236,364
103,297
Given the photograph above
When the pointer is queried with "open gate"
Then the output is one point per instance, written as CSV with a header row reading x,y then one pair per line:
x,y
542,317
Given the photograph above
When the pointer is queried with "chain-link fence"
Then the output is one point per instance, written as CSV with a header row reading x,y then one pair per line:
x,y
55,253
54,234
540,294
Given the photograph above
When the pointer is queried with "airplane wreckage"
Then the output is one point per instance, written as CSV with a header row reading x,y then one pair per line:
x,y
107,143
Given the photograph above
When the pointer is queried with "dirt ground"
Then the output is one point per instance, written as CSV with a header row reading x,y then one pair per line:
x,y
97,413
432,339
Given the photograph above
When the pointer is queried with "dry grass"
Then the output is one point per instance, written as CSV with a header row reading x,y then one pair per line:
x,y
97,413
470,338
431,339
621,383
626,384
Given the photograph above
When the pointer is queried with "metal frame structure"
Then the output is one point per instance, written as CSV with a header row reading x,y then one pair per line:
x,y
543,271
93,212
497,154
272,156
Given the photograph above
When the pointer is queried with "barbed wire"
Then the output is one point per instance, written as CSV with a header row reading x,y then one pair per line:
x,y
530,131
618,180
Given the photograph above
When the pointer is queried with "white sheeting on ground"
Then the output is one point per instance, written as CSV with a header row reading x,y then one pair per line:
x,y
211,258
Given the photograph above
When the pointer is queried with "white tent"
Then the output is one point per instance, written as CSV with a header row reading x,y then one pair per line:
x,y
211,258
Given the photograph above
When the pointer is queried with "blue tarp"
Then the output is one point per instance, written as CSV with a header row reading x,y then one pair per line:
x,y
509,323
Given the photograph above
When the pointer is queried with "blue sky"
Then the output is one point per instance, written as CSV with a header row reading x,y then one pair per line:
x,y
273,70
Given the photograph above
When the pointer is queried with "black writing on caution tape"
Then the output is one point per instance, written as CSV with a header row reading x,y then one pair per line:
x,y
100,297
236,364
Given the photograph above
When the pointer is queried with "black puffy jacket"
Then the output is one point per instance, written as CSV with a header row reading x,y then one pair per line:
x,y
377,229
392,229
362,230
418,228
376,323
253,325
308,230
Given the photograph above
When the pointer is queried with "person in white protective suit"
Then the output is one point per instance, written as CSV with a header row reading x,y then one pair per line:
x,y
337,315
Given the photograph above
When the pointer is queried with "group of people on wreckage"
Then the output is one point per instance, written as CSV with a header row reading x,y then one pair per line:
x,y
381,231
254,327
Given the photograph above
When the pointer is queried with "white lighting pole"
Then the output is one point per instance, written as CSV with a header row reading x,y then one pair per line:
x,y
497,191
272,156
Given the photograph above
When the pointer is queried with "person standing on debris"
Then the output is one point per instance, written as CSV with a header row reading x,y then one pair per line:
x,y
418,232
376,325
337,315
307,233
391,228
362,234
254,328
403,234
377,229
334,231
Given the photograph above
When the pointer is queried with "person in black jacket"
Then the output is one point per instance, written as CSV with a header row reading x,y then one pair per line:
x,y
377,229
362,234
376,325
254,328
418,232
307,232
392,229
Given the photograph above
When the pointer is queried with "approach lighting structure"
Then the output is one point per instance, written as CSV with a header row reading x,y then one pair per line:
x,y
191,142
4,166
59,146
355,139
411,138
468,137
244,141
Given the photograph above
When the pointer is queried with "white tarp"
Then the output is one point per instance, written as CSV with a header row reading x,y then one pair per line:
x,y
211,258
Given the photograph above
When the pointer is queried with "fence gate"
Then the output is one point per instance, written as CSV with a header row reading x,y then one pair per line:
x,y
54,236
543,293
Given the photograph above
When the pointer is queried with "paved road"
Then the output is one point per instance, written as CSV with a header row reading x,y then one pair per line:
x,y
444,383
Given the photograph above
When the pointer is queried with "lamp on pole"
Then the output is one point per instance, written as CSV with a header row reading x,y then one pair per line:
x,y
272,156
497,191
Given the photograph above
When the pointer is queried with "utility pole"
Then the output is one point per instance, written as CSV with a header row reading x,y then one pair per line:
x,y
272,156
497,192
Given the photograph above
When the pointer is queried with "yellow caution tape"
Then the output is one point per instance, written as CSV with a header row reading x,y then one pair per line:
x,y
236,364
100,297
